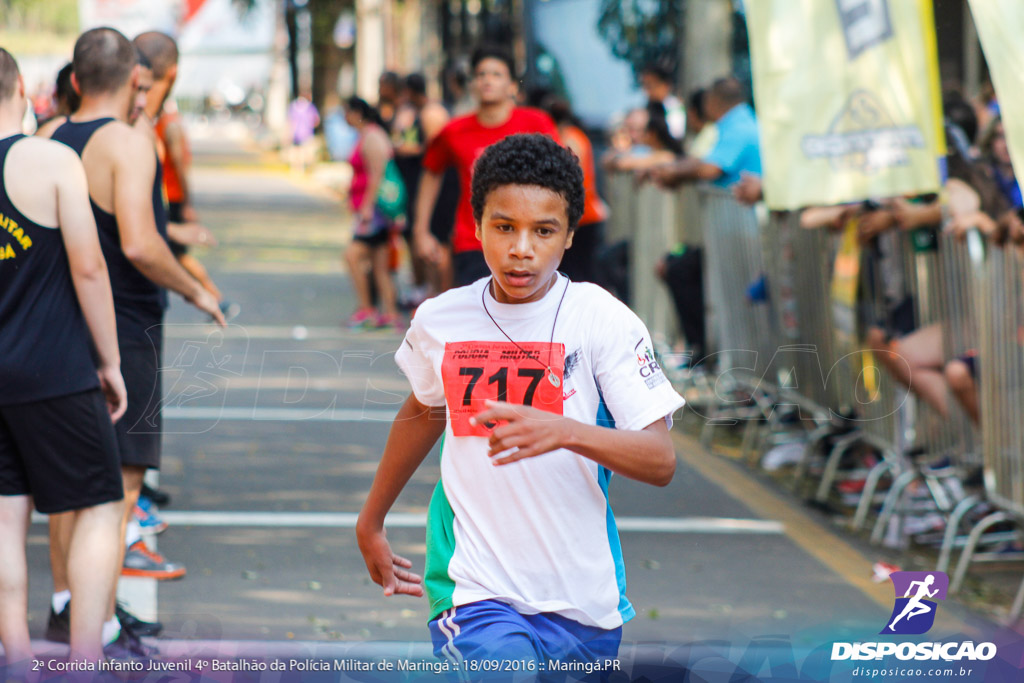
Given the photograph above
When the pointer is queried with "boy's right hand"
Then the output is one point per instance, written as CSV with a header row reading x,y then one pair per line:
x,y
387,570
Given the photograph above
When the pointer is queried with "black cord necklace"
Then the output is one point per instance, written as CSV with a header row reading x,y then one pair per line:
x,y
553,378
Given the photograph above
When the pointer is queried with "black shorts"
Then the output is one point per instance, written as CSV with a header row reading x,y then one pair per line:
x,y
139,431
176,214
62,451
970,359
469,267
373,233
899,319
373,240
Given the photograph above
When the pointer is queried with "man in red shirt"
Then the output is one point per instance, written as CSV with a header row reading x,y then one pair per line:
x,y
459,144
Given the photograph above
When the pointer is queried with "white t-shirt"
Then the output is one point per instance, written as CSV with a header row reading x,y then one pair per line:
x,y
675,116
537,534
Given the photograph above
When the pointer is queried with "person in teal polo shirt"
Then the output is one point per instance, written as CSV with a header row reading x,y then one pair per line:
x,y
735,153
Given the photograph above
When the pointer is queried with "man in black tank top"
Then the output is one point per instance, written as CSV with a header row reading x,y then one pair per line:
x,y
57,441
124,188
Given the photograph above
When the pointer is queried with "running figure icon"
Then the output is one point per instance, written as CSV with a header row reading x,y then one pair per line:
x,y
914,606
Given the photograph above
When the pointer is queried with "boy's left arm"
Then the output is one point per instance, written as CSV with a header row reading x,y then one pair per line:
x,y
646,455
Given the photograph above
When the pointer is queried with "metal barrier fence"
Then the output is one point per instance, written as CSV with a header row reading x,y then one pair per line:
x,y
1001,379
799,261
772,323
742,322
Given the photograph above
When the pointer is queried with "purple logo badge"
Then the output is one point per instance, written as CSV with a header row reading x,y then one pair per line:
x,y
916,596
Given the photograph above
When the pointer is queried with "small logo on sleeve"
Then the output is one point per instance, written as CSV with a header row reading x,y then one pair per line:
x,y
648,366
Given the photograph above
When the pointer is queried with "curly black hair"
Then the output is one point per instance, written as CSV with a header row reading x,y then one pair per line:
x,y
532,159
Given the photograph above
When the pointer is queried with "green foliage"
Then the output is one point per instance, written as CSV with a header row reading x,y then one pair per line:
x,y
49,16
642,31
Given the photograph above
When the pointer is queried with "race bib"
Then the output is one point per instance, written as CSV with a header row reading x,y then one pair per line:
x,y
474,372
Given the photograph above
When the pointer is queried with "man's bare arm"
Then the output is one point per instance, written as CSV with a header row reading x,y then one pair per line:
x,y
689,169
134,172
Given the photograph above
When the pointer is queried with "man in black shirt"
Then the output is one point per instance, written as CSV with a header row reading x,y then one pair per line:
x,y
57,443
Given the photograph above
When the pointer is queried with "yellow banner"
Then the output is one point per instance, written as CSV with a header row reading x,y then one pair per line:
x,y
848,100
999,25
845,287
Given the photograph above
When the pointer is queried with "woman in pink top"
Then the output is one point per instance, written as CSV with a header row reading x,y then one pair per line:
x,y
368,252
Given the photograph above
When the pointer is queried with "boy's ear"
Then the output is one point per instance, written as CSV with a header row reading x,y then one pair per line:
x,y
479,232
568,240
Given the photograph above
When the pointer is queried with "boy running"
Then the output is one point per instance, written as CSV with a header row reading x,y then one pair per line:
x,y
542,389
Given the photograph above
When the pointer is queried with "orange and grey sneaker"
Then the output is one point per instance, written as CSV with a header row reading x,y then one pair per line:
x,y
139,560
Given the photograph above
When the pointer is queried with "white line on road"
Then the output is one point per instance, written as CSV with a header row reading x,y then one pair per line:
x,y
256,414
293,332
347,520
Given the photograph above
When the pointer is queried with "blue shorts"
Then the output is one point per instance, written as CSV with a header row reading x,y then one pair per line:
x,y
489,640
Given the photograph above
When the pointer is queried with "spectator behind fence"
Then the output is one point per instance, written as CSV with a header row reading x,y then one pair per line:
x,y
628,132
996,155
703,130
656,147
915,357
734,154
971,212
658,81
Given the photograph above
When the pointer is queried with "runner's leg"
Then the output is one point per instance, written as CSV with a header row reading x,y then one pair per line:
x,y
357,257
385,283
